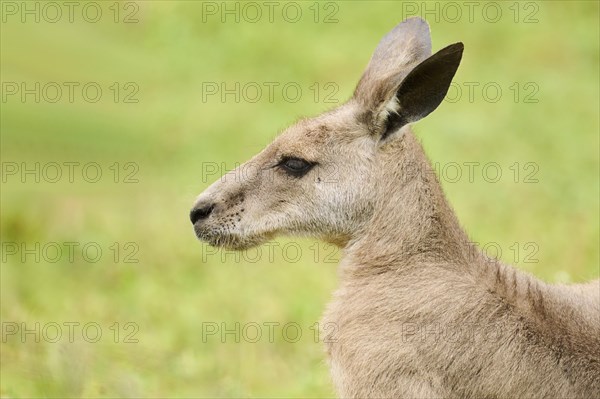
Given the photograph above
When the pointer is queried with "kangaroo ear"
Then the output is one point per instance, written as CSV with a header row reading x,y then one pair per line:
x,y
422,90
397,53
403,81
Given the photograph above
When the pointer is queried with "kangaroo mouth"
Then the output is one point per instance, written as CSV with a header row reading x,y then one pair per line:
x,y
227,239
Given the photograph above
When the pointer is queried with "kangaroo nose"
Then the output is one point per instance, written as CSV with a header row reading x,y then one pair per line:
x,y
201,212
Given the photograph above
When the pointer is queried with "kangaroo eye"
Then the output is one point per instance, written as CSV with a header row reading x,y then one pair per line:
x,y
295,166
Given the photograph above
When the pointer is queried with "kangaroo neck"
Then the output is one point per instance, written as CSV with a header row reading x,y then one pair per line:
x,y
412,221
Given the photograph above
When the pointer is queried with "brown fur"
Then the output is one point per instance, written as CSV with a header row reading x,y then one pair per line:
x,y
420,311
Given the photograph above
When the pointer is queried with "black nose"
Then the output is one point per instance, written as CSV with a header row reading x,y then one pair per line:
x,y
201,212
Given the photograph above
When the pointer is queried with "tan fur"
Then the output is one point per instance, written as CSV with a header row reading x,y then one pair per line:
x,y
420,311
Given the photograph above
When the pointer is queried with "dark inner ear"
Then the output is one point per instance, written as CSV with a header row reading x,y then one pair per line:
x,y
424,88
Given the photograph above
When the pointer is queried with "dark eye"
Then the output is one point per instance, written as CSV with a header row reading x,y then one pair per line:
x,y
295,166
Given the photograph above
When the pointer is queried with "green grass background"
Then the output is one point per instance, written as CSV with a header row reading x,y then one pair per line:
x,y
178,283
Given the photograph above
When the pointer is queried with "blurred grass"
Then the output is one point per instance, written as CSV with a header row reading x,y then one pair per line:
x,y
178,283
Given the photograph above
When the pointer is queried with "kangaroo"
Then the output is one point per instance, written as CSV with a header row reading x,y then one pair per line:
x,y
420,311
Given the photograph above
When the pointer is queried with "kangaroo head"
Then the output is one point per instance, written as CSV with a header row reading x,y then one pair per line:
x,y
320,176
